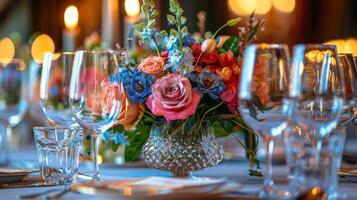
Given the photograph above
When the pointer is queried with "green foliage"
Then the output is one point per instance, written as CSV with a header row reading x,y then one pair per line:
x,y
233,22
176,19
136,140
232,44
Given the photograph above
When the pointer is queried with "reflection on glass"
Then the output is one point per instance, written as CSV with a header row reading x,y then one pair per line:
x,y
263,88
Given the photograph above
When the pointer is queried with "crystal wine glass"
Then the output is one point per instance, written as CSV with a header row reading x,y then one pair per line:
x,y
94,94
350,76
317,88
13,96
54,90
263,88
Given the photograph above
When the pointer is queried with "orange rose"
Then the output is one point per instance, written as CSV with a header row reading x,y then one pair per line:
x,y
153,65
130,112
225,73
262,91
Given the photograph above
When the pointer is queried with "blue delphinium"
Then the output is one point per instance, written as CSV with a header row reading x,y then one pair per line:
x,y
137,84
172,43
209,83
188,40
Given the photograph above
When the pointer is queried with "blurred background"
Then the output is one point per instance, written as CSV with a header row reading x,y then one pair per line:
x,y
287,21
28,28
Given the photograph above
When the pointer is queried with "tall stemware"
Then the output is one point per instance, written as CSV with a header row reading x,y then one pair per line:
x,y
263,88
54,89
13,96
317,88
94,94
350,77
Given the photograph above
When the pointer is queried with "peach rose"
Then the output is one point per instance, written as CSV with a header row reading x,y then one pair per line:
x,y
129,112
225,73
153,65
262,91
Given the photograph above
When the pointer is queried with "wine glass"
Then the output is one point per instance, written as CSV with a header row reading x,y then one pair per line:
x,y
13,96
94,91
54,89
263,88
317,88
350,76
319,103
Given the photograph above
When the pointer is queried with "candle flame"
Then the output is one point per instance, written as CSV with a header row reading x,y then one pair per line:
x,y
7,50
132,7
71,17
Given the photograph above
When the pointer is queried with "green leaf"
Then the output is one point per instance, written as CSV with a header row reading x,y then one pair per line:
x,y
139,27
173,32
254,30
221,50
171,19
184,30
155,13
152,23
233,22
232,44
173,6
115,146
183,20
136,140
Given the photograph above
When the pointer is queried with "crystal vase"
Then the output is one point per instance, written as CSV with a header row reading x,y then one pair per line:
x,y
181,148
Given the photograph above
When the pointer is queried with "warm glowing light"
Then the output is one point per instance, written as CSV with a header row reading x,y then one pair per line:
x,y
345,46
132,7
7,50
262,6
246,7
41,44
71,17
286,6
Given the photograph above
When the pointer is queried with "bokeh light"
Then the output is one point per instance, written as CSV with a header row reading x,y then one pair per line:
x,y
7,52
41,44
246,7
345,45
71,17
132,7
285,6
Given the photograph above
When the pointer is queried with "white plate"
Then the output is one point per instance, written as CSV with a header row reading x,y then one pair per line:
x,y
154,188
11,175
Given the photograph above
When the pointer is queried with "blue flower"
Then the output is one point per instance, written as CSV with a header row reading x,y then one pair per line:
x,y
181,61
147,34
172,43
209,83
137,84
188,40
120,138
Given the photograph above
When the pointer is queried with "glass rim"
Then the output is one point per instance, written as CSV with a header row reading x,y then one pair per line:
x,y
62,52
95,51
317,45
270,45
45,128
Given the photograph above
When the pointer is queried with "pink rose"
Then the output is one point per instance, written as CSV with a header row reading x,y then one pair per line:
x,y
172,97
110,92
152,65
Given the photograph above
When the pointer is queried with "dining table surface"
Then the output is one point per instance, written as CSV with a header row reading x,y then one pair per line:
x,y
230,170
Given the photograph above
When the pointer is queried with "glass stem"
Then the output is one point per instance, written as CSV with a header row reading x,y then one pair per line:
x,y
268,181
95,176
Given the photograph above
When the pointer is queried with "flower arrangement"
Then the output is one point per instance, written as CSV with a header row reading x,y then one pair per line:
x,y
187,80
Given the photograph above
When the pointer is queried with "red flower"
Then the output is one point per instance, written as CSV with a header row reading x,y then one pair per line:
x,y
229,95
227,59
164,55
206,58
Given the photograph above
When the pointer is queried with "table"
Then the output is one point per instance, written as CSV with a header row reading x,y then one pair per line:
x,y
233,170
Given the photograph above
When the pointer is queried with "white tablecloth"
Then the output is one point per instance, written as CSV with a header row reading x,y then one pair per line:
x,y
232,170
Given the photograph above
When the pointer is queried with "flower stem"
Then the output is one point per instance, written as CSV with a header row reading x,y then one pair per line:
x,y
213,36
156,46
209,110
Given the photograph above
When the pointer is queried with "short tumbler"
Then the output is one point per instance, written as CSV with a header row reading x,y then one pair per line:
x,y
314,162
58,153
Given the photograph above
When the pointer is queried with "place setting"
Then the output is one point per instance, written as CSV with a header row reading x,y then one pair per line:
x,y
171,100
